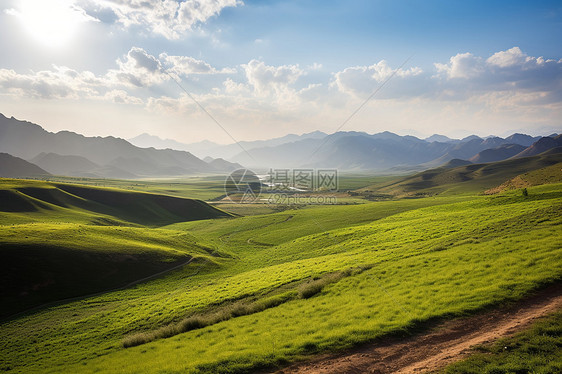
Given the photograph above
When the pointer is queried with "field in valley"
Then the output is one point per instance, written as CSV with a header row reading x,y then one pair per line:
x,y
249,292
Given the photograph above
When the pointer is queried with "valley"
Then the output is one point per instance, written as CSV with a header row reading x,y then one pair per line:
x,y
259,291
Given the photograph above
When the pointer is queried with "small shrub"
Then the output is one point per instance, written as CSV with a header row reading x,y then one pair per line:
x,y
310,289
134,340
191,323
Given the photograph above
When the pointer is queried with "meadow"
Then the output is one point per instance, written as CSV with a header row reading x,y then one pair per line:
x,y
273,288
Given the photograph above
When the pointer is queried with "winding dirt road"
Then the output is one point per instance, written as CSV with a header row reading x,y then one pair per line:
x,y
445,343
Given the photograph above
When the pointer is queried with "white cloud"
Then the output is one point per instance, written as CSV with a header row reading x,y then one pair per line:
x,y
506,83
462,65
272,80
361,80
121,97
138,69
186,65
521,78
169,18
233,88
61,82
508,58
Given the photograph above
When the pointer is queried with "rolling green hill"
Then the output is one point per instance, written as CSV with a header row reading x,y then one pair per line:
x,y
85,204
463,179
549,174
61,240
292,284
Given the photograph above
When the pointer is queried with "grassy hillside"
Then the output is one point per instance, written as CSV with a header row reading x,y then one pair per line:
x,y
295,283
60,240
74,203
204,188
549,174
463,179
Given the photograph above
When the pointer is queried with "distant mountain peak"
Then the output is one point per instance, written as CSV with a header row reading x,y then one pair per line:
x,y
439,138
470,137
15,167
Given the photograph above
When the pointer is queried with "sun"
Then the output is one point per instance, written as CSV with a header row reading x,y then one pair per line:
x,y
52,23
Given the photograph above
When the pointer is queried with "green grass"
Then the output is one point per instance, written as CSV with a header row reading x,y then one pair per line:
x,y
470,179
423,258
303,290
537,350
23,200
549,174
59,240
203,187
42,263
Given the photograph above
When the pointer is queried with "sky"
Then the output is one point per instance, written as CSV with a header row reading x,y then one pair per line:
x,y
227,70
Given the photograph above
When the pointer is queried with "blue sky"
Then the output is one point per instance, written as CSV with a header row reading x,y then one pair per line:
x,y
268,68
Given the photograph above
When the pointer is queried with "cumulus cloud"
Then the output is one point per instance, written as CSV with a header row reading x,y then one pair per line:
x,y
138,69
511,57
61,82
268,80
141,69
462,65
125,84
169,18
512,73
361,80
505,79
186,65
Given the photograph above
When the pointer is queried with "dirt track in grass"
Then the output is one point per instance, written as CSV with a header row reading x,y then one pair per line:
x,y
443,344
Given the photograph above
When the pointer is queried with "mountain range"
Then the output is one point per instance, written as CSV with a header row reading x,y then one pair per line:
x,y
68,153
384,151
207,148
71,154
352,150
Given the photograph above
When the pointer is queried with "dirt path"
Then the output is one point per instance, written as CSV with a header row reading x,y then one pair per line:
x,y
445,343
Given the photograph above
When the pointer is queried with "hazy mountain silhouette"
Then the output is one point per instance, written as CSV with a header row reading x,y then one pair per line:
x,y
503,152
15,167
381,151
522,139
147,141
73,154
27,140
222,164
206,148
441,139
542,145
63,165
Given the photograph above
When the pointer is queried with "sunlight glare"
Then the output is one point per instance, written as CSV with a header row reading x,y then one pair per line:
x,y
51,22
